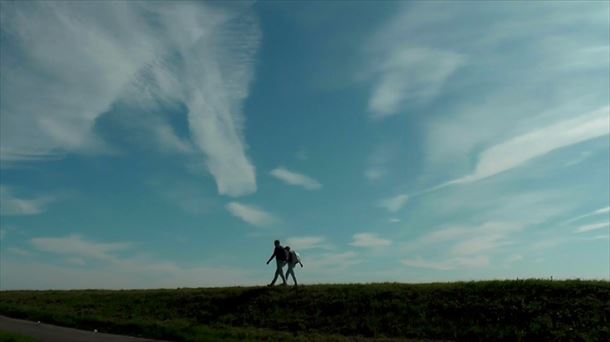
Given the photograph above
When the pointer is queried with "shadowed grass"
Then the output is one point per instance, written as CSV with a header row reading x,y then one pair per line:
x,y
10,337
487,310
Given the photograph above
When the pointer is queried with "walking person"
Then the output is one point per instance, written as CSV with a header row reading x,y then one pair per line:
x,y
293,260
280,259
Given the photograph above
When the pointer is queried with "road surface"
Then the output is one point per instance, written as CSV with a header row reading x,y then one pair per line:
x,y
52,333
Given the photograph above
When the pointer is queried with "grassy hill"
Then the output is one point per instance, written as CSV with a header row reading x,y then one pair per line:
x,y
467,311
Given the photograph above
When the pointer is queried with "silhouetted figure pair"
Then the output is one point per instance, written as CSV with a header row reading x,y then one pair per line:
x,y
283,256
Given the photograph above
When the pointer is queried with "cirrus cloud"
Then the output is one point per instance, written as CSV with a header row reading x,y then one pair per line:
x,y
369,240
82,58
294,178
251,214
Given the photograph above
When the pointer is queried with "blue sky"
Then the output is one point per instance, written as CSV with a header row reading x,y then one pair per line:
x,y
167,144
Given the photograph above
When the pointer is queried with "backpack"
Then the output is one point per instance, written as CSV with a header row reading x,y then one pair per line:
x,y
296,257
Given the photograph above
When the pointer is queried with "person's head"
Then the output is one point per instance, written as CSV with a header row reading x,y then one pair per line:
x,y
276,243
287,248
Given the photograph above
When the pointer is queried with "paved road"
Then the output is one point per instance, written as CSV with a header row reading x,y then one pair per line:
x,y
53,333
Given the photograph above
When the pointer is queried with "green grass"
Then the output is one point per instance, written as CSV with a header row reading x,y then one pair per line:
x,y
522,310
10,337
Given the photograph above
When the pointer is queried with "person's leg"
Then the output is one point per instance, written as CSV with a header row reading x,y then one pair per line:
x,y
291,272
280,271
274,278
288,271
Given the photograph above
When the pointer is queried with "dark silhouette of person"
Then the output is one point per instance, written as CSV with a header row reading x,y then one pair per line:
x,y
292,261
280,259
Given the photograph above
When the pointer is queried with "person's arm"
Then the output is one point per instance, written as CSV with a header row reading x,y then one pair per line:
x,y
271,258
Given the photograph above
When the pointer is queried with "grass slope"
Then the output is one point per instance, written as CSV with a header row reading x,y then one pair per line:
x,y
468,311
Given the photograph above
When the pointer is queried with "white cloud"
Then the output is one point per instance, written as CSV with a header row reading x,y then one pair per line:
x,y
590,227
479,244
76,261
111,270
294,178
514,258
497,91
251,214
302,154
74,66
14,206
330,263
549,242
449,264
170,142
187,196
81,59
394,220
600,211
394,204
119,274
374,173
489,220
579,159
410,74
468,240
18,251
377,163
600,237
523,148
307,242
369,240
76,246
421,263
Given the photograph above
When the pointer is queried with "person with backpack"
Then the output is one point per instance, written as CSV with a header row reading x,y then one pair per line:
x,y
280,255
293,260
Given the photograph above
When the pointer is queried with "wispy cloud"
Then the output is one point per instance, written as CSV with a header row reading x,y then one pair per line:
x,y
369,240
76,261
374,173
199,55
10,205
251,214
110,270
468,240
377,163
76,246
520,149
449,264
18,251
599,237
479,244
590,227
600,211
496,221
523,148
394,204
170,142
302,154
307,242
331,262
410,74
85,59
496,85
514,258
294,178
579,159
188,196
